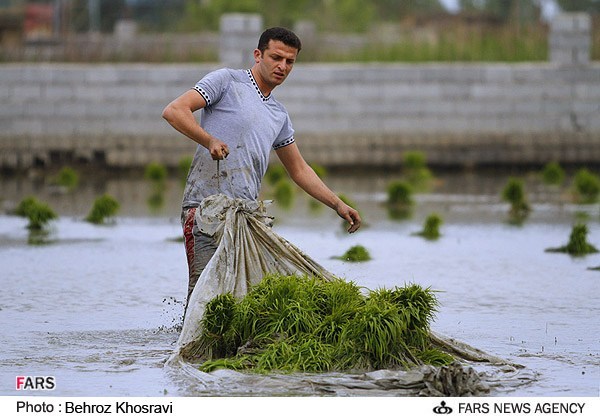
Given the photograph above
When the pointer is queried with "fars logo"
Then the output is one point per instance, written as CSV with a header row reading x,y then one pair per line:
x,y
35,383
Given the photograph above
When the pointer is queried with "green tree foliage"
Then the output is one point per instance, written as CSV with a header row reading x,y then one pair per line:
x,y
109,11
590,6
394,9
337,15
334,15
504,10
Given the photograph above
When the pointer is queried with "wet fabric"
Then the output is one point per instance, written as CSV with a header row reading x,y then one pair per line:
x,y
247,250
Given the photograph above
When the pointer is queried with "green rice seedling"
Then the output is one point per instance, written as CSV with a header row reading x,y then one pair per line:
x,y
67,177
155,172
337,303
399,193
415,169
416,306
578,244
587,186
514,193
399,200
319,170
431,227
306,324
216,323
344,198
232,363
356,254
374,337
315,206
284,193
435,357
38,213
156,199
303,354
275,173
553,174
25,206
104,207
183,167
413,160
279,305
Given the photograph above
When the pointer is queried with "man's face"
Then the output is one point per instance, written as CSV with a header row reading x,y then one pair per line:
x,y
275,63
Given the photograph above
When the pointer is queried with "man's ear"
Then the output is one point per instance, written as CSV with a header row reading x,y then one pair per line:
x,y
257,55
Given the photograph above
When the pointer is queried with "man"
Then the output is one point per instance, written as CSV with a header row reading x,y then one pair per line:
x,y
243,121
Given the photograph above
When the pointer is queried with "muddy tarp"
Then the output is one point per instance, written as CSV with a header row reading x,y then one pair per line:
x,y
248,250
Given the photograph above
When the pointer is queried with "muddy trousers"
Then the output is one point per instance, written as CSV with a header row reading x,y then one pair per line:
x,y
199,249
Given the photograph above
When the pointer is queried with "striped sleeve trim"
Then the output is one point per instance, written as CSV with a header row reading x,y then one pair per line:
x,y
203,94
285,143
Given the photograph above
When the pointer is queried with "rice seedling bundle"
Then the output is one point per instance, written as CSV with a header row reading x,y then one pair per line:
x,y
305,324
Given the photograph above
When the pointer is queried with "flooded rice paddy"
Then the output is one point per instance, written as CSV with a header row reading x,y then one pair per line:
x,y
99,307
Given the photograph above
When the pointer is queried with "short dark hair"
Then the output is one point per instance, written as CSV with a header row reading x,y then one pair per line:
x,y
284,35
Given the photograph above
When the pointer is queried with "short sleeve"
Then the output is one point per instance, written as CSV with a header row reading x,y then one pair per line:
x,y
286,135
213,85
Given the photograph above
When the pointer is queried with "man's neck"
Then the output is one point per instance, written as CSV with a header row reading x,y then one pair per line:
x,y
266,91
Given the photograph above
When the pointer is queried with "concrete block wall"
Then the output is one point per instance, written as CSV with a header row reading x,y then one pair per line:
x,y
460,114
570,39
101,113
344,114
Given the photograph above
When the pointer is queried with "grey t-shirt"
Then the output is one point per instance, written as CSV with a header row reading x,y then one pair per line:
x,y
250,124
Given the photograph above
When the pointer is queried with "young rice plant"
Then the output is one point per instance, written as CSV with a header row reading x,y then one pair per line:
x,y
305,324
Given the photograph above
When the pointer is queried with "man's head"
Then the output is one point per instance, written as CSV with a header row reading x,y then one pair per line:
x,y
284,35
274,57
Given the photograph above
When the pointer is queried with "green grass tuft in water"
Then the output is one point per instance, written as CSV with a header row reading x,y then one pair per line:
x,y
578,244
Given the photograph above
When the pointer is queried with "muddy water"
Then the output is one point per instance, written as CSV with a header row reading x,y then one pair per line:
x,y
98,306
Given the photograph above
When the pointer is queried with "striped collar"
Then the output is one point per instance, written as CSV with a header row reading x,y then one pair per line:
x,y
262,96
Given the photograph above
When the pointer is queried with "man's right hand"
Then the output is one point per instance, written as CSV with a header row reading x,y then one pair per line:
x,y
218,149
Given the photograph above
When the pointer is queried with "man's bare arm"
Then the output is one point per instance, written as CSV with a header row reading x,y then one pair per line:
x,y
305,177
180,115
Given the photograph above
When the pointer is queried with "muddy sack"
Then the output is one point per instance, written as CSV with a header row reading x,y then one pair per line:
x,y
248,249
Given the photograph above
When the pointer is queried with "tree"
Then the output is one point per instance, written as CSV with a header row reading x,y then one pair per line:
x,y
391,10
504,10
590,6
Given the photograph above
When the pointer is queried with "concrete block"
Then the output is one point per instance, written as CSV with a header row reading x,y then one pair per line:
x,y
57,93
532,106
7,130
67,110
571,22
26,93
90,127
403,90
499,74
103,74
66,74
239,35
29,127
11,111
90,94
